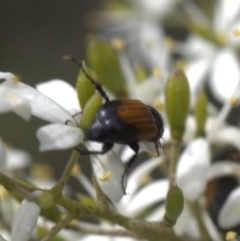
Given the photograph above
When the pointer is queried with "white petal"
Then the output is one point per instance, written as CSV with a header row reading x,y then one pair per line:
x,y
155,8
17,159
151,45
148,90
196,72
25,221
187,224
108,169
42,106
10,100
1,238
229,213
154,192
140,171
61,92
10,79
196,46
149,147
2,156
192,169
58,136
224,168
228,135
225,74
86,184
210,226
225,12
157,214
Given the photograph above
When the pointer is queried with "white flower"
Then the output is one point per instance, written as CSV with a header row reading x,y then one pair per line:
x,y
10,99
57,135
221,62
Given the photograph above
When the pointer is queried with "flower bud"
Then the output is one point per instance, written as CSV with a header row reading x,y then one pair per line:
x,y
174,204
84,87
104,61
201,112
90,110
45,199
177,99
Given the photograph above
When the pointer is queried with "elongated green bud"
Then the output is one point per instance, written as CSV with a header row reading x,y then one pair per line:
x,y
85,88
201,112
103,59
174,204
177,99
90,110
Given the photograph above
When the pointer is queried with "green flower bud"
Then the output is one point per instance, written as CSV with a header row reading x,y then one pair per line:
x,y
45,199
201,112
103,59
177,99
90,110
174,204
85,88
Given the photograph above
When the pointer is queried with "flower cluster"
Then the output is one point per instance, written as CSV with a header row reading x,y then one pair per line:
x,y
191,191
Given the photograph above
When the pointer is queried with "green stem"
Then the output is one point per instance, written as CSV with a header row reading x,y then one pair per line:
x,y
16,187
196,210
57,189
175,153
142,229
58,227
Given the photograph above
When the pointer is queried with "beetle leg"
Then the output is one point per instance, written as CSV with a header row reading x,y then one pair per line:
x,y
135,148
158,146
84,151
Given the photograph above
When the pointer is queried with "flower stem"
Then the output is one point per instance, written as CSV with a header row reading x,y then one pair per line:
x,y
60,225
196,210
175,153
57,189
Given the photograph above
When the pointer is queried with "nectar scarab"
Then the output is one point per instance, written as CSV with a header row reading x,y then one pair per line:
x,y
124,122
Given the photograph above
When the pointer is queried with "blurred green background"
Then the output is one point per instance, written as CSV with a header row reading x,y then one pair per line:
x,y
34,35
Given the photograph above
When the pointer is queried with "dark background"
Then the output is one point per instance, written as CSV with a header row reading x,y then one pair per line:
x,y
34,35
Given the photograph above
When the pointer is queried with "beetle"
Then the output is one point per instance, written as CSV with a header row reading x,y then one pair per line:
x,y
125,121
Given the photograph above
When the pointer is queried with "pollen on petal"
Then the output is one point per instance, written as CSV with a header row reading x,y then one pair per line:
x,y
105,177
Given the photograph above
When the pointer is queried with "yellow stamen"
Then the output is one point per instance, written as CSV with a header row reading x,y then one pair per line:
x,y
170,43
76,170
16,79
233,101
158,104
118,44
145,180
105,177
222,38
181,64
230,235
236,32
41,171
156,72
3,192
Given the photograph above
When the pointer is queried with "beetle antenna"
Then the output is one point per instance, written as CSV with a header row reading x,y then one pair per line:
x,y
98,87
